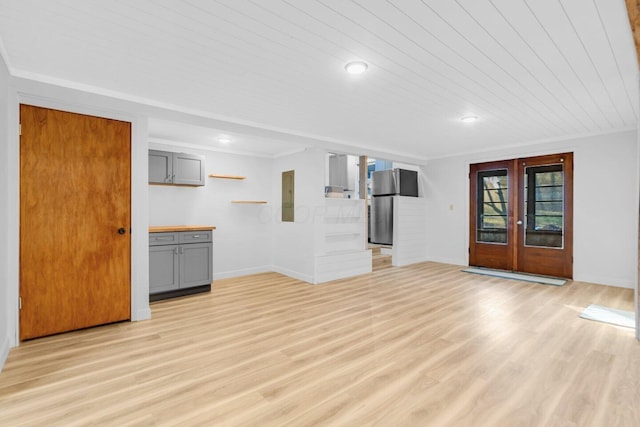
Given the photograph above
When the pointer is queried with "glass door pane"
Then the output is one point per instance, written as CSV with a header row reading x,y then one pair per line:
x,y
492,206
544,206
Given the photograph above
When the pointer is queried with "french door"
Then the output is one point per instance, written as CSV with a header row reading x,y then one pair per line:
x,y
521,215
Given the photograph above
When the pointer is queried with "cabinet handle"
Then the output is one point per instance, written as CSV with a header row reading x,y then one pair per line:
x,y
196,236
175,251
181,250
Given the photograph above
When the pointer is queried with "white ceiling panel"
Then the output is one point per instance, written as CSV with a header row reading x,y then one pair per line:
x,y
166,132
531,70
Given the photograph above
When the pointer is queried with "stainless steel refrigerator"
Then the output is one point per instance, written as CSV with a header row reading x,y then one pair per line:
x,y
384,185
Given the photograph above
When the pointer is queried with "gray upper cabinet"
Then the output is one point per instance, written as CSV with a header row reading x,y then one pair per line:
x,y
175,168
188,169
160,167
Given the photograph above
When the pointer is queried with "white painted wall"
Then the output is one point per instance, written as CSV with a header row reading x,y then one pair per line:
x,y
605,205
295,243
6,332
242,240
409,230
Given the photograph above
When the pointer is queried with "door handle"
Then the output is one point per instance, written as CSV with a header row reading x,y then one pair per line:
x,y
121,230
519,222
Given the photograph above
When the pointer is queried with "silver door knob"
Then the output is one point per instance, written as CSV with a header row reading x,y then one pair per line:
x,y
519,222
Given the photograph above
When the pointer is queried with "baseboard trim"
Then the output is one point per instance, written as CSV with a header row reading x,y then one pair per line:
x,y
407,261
291,273
450,261
243,272
606,281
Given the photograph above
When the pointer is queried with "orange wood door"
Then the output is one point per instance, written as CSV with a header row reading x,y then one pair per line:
x,y
492,193
545,215
75,215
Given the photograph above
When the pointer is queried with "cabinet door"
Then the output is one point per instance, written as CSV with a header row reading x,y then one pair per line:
x,y
164,268
160,167
196,264
188,169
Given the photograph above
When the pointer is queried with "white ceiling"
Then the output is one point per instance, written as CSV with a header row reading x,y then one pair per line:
x,y
532,70
175,133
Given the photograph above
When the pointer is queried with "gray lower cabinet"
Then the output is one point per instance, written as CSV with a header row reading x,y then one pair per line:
x,y
179,262
175,168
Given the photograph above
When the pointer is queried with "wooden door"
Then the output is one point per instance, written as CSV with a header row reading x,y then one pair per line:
x,y
75,244
521,215
545,215
491,237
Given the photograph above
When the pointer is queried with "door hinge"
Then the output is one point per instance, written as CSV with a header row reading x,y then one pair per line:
x,y
20,303
19,129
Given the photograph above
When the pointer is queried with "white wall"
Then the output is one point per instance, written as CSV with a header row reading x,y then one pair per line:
x,y
242,239
410,231
605,205
6,332
295,243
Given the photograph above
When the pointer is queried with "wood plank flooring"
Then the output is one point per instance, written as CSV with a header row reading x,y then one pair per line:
x,y
419,345
379,260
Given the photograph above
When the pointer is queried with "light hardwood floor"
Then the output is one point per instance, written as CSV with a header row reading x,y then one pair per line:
x,y
424,345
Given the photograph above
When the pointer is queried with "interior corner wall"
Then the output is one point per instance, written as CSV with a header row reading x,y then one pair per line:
x,y
294,243
242,239
5,312
605,223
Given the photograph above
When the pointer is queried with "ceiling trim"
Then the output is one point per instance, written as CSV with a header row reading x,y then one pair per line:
x,y
539,142
171,143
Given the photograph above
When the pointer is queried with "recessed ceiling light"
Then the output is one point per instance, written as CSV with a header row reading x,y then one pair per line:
x,y
356,67
224,140
469,119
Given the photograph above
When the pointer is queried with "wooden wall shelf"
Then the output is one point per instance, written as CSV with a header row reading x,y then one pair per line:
x,y
254,202
215,175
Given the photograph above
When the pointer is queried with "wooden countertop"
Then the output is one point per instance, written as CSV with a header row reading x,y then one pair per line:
x,y
169,228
